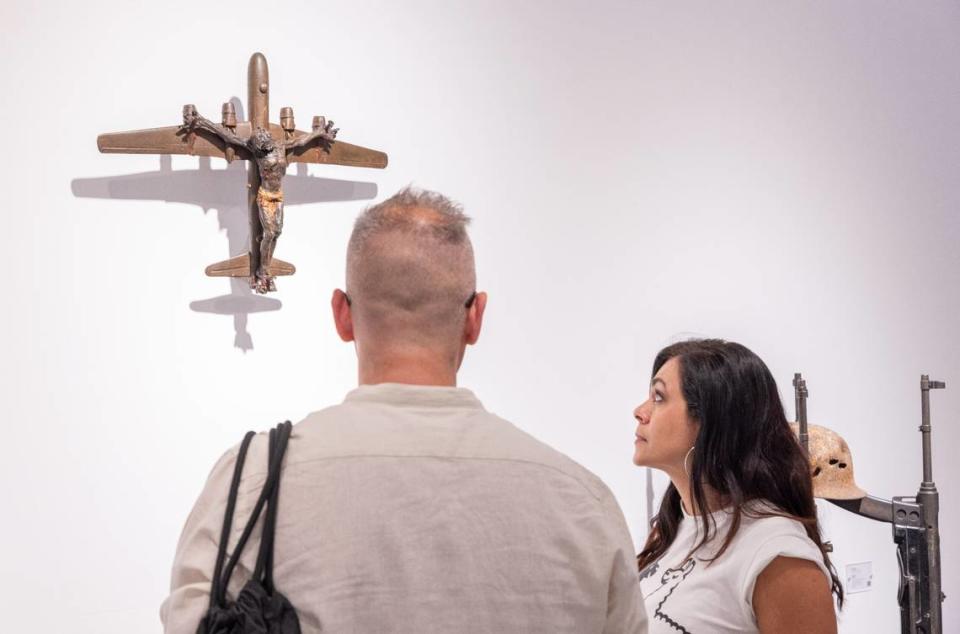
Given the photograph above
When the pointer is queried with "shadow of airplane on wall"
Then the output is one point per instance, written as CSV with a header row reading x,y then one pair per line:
x,y
226,191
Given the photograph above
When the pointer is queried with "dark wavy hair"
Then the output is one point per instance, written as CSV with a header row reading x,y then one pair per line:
x,y
745,449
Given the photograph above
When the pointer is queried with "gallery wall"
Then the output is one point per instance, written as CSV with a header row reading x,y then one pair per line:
x,y
779,174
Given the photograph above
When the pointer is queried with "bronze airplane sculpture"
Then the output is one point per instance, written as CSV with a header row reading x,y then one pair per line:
x,y
269,145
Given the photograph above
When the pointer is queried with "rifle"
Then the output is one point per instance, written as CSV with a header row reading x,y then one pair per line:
x,y
915,521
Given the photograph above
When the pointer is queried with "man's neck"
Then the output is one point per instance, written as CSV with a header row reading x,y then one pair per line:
x,y
412,369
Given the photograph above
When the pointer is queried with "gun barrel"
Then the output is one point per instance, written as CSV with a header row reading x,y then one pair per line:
x,y
929,498
925,386
800,395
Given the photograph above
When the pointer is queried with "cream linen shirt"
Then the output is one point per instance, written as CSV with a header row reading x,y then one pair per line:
x,y
412,509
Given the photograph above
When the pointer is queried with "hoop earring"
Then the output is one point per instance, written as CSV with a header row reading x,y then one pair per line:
x,y
685,470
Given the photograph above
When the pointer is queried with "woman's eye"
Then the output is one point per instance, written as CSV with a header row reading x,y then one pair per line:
x,y
657,397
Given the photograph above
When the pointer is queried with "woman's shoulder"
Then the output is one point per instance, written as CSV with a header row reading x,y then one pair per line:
x,y
767,532
761,519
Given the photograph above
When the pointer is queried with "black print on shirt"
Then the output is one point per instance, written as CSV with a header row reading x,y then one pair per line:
x,y
650,570
672,578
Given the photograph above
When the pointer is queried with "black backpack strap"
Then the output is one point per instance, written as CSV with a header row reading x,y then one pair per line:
x,y
278,445
264,564
228,519
285,433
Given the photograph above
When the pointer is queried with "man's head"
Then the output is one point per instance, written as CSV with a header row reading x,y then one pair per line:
x,y
262,140
411,283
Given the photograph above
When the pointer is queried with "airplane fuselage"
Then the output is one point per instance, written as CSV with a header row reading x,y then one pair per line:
x,y
258,107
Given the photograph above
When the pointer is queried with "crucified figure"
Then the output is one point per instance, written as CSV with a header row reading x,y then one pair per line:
x,y
271,158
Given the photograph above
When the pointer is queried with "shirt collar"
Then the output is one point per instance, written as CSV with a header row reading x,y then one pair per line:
x,y
400,394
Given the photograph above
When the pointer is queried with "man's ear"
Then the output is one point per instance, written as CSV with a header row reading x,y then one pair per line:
x,y
474,321
342,315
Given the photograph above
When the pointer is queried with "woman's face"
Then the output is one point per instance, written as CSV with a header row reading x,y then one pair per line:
x,y
665,431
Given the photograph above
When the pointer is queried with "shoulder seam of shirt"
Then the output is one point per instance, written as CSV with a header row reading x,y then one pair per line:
x,y
598,497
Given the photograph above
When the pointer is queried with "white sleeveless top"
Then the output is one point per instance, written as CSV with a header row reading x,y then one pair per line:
x,y
696,596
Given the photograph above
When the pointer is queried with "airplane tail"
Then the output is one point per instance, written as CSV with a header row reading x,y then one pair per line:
x,y
279,267
239,266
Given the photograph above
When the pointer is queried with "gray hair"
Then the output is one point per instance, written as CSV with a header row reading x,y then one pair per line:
x,y
410,267
447,223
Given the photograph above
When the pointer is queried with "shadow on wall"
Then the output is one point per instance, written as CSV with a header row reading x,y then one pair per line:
x,y
223,190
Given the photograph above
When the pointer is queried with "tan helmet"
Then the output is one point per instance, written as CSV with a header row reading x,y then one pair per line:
x,y
831,464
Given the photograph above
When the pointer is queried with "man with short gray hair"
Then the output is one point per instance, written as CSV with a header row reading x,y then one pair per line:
x,y
410,508
410,275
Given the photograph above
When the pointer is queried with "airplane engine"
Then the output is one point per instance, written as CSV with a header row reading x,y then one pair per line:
x,y
286,120
229,116
229,121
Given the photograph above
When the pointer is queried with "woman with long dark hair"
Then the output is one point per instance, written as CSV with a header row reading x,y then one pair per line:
x,y
735,546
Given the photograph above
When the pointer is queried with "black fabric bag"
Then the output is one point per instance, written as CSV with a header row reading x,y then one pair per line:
x,y
259,608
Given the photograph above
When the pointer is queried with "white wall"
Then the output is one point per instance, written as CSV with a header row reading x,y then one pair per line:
x,y
781,174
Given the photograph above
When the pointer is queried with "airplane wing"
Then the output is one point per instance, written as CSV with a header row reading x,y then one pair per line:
x,y
170,141
337,153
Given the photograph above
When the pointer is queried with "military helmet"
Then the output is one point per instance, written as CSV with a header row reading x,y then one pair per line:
x,y
831,465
